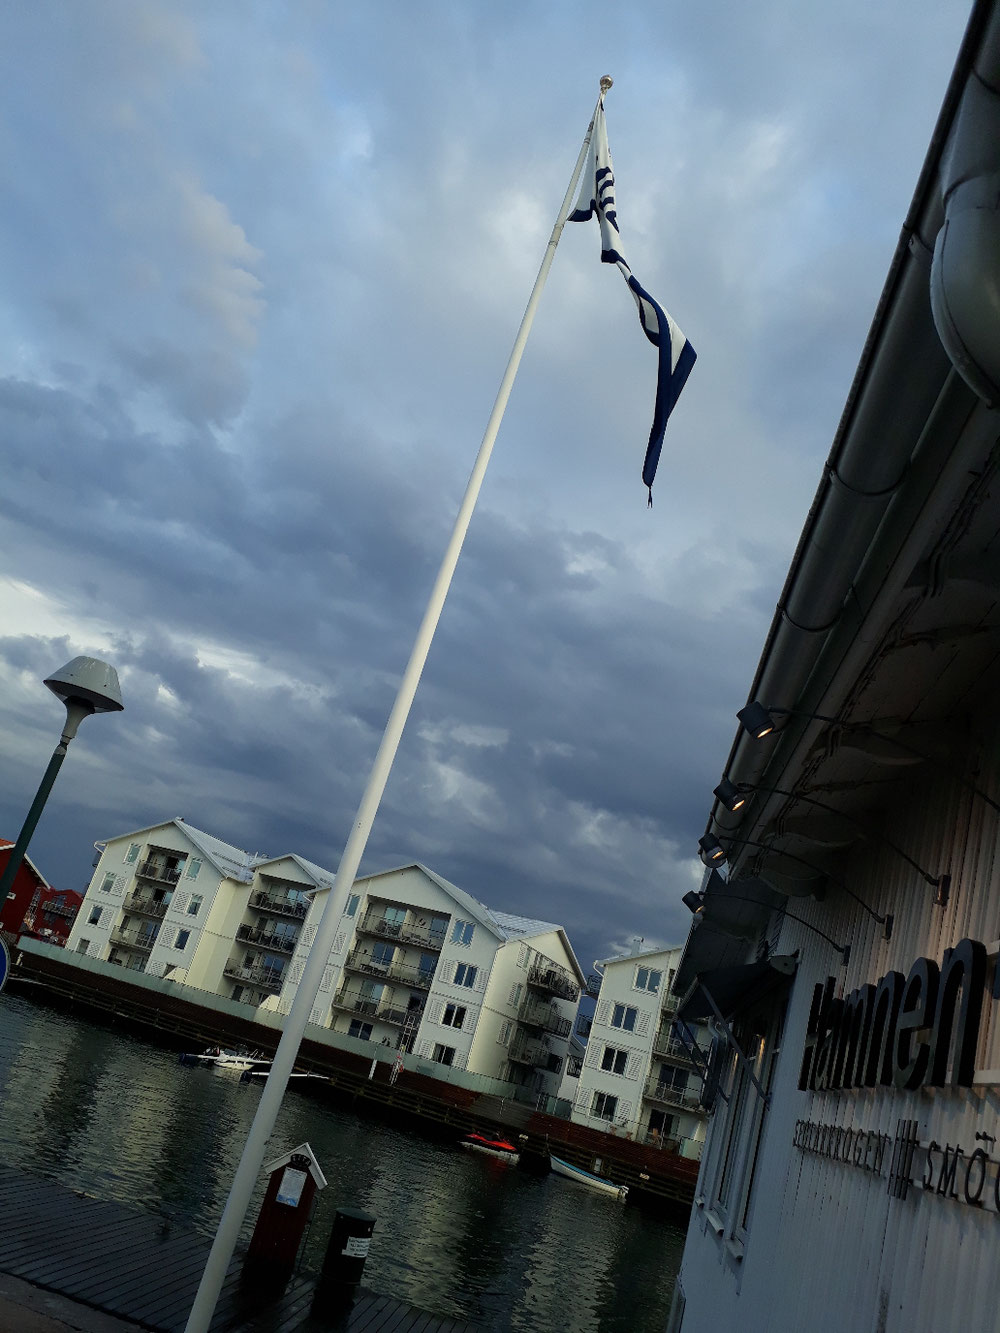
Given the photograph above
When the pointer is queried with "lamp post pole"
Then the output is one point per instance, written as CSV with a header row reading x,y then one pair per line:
x,y
85,686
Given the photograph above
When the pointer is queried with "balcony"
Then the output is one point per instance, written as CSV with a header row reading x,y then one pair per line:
x,y
543,1014
377,1010
134,939
671,1048
145,905
406,932
54,908
158,871
267,939
278,905
267,978
394,971
550,977
526,1051
658,1091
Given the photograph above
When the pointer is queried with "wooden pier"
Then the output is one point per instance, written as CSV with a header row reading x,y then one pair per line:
x,y
146,1269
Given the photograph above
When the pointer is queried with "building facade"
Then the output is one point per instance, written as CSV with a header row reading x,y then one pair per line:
x,y
847,955
640,1076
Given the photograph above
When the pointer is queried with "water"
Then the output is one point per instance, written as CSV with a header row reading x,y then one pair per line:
x,y
457,1234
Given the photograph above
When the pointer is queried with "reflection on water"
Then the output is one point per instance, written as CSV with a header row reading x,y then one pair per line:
x,y
458,1234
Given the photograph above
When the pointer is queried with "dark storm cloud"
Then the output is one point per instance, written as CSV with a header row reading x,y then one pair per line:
x,y
264,268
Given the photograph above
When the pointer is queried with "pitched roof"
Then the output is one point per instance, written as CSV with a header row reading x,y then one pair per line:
x,y
6,842
228,860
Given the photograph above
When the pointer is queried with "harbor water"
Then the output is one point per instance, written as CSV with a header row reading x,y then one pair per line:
x,y
458,1234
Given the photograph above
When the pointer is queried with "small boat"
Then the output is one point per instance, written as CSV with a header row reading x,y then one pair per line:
x,y
498,1148
217,1058
588,1178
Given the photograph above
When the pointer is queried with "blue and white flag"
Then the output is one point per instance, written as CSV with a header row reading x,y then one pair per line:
x,y
677,356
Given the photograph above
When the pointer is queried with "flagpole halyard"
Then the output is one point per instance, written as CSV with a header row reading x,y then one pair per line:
x,y
273,1091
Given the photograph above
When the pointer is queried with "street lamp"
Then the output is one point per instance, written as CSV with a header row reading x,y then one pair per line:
x,y
85,685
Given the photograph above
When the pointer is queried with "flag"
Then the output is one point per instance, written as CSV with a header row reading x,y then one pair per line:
x,y
677,356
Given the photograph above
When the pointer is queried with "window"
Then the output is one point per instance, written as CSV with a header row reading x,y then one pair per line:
x,y
108,882
465,974
454,1015
504,1036
394,916
362,1031
426,966
614,1060
352,907
514,999
182,938
132,853
462,932
623,1016
438,929
194,904
604,1106
444,1055
82,946
95,916
645,979
194,865
383,954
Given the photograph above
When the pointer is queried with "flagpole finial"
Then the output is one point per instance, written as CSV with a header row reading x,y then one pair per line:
x,y
606,82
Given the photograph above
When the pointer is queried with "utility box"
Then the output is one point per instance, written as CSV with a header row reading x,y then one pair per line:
x,y
284,1214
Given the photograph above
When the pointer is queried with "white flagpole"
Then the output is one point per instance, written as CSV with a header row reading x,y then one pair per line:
x,y
252,1159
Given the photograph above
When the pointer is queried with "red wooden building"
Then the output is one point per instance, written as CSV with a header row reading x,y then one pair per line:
x,y
33,906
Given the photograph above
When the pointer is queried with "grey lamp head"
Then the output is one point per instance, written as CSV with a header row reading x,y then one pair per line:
x,y
93,682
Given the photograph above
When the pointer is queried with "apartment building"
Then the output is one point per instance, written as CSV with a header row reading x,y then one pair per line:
x,y
639,1076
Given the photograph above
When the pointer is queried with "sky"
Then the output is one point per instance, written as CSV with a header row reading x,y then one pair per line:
x,y
264,265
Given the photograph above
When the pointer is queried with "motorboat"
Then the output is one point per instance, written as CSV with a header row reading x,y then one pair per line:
x,y
218,1058
577,1173
498,1148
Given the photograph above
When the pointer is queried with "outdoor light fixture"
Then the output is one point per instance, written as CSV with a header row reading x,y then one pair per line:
x,y
758,722
696,903
734,796
713,853
85,685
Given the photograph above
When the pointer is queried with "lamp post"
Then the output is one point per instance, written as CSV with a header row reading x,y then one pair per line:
x,y
85,685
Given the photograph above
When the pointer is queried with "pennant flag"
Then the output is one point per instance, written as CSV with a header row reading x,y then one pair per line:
x,y
677,356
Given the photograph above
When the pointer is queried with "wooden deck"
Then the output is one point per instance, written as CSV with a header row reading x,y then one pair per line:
x,y
147,1270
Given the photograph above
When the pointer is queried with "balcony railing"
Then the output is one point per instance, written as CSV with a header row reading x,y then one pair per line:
x,y
145,905
134,939
130,964
157,870
548,976
266,977
407,932
267,939
394,971
525,1051
356,1003
280,906
543,1014
658,1091
58,909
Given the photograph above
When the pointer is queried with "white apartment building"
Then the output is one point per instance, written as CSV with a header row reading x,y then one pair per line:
x,y
151,895
417,963
639,1077
420,965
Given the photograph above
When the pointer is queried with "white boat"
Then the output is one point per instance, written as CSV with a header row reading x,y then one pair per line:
x,y
587,1178
217,1058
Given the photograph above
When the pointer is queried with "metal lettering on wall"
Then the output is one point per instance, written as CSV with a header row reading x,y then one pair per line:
x,y
947,1170
908,1032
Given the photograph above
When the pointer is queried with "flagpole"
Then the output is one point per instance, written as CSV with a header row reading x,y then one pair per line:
x,y
252,1159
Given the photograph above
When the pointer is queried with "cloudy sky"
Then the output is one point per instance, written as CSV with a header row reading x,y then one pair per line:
x,y
263,267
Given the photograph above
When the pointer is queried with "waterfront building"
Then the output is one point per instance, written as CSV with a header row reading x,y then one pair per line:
x,y
420,965
848,956
33,906
639,1076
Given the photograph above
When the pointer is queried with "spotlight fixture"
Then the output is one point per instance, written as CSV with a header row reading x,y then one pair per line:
x,y
733,796
758,722
696,903
713,853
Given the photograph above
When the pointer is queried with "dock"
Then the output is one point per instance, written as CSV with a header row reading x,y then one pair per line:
x,y
146,1270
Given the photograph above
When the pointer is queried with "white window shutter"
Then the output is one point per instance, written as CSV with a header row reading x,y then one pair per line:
x,y
522,955
338,942
633,1064
512,997
423,1049
582,1095
480,979
327,978
119,886
93,949
623,1113
295,973
316,1014
308,935
642,1023
459,1060
603,1014
593,1055
179,900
